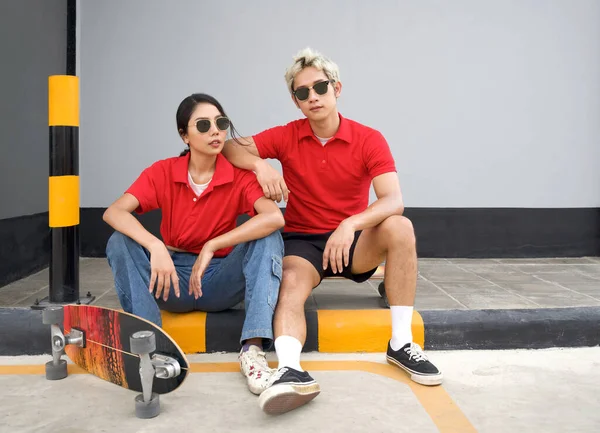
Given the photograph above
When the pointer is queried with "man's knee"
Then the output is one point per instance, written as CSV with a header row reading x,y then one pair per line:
x,y
296,287
398,231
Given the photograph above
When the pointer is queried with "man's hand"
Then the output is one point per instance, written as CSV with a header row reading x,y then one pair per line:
x,y
338,246
199,268
271,181
162,272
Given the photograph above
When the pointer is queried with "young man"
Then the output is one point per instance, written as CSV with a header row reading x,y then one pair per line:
x,y
329,163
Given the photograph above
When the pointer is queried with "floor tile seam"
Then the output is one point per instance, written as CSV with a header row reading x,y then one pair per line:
x,y
554,283
510,291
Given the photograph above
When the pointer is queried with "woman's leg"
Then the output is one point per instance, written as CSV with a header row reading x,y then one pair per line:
x,y
251,272
130,265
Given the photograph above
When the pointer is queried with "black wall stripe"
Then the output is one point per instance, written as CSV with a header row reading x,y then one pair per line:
x,y
64,150
506,232
24,246
71,37
446,232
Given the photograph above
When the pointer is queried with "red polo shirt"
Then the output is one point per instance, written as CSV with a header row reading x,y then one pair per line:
x,y
189,222
327,183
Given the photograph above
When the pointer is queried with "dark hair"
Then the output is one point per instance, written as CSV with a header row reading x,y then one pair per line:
x,y
187,107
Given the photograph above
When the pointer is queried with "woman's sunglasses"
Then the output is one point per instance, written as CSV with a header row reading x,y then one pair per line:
x,y
303,92
203,125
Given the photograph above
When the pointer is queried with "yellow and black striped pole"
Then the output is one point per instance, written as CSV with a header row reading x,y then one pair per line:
x,y
63,187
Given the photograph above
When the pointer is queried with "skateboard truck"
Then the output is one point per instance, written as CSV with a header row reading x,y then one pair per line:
x,y
57,368
142,343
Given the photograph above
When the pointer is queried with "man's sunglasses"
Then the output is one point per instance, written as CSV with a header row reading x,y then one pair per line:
x,y
320,88
203,125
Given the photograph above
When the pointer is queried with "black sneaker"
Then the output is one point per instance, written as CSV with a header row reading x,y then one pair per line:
x,y
411,358
288,389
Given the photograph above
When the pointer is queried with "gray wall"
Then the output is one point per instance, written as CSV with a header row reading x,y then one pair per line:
x,y
33,40
484,103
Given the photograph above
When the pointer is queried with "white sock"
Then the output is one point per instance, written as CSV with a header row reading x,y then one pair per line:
x,y
401,326
288,351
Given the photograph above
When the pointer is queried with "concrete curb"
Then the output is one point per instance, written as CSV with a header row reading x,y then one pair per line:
x,y
351,330
512,329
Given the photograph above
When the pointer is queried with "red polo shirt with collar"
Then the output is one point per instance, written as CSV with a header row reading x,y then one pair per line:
x,y
327,183
188,221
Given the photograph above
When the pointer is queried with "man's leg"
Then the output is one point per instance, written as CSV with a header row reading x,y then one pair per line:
x,y
299,279
291,387
394,241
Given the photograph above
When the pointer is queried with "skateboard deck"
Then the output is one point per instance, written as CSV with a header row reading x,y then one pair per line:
x,y
107,352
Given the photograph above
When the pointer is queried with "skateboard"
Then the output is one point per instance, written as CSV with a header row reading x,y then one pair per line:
x,y
118,347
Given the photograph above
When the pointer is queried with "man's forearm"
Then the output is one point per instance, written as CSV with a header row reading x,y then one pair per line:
x,y
238,156
380,210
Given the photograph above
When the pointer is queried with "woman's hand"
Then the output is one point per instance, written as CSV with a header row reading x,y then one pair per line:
x,y
199,268
163,272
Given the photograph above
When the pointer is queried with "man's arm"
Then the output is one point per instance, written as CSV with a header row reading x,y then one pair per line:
x,y
246,156
243,155
389,202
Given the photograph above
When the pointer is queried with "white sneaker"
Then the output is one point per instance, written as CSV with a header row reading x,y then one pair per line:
x,y
254,366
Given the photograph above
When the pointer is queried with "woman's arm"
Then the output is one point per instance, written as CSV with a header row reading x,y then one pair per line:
x,y
268,220
119,217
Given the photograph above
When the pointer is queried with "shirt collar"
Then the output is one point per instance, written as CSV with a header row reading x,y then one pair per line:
x,y
343,133
223,170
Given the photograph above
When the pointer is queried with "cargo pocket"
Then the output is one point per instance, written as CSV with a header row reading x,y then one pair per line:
x,y
277,271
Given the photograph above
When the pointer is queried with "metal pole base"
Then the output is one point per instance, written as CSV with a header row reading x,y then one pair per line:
x,y
45,302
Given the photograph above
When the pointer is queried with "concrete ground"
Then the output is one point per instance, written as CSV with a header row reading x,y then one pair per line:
x,y
548,391
443,284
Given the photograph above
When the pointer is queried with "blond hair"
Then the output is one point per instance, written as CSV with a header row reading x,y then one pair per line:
x,y
308,57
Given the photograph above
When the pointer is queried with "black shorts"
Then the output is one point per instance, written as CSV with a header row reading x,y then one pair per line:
x,y
311,248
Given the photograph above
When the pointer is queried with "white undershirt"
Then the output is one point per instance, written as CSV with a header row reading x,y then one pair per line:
x,y
323,140
197,188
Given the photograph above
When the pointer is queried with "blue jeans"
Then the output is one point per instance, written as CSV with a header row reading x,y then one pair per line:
x,y
250,273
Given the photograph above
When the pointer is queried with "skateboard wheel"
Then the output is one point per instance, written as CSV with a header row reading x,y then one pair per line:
x,y
53,315
147,409
142,342
56,371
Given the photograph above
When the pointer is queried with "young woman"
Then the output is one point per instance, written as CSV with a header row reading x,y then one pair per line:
x,y
203,262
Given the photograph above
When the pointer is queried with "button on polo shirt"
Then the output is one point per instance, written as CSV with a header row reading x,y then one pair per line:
x,y
328,183
188,222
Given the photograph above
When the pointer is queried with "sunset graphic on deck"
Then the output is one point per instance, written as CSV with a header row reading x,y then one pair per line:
x,y
102,331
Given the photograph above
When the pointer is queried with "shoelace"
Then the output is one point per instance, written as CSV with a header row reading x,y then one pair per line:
x,y
415,352
258,358
276,376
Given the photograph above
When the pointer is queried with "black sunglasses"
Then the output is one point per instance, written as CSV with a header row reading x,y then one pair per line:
x,y
302,92
203,125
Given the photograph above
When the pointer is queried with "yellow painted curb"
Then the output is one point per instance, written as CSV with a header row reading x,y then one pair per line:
x,y
361,330
187,329
339,331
